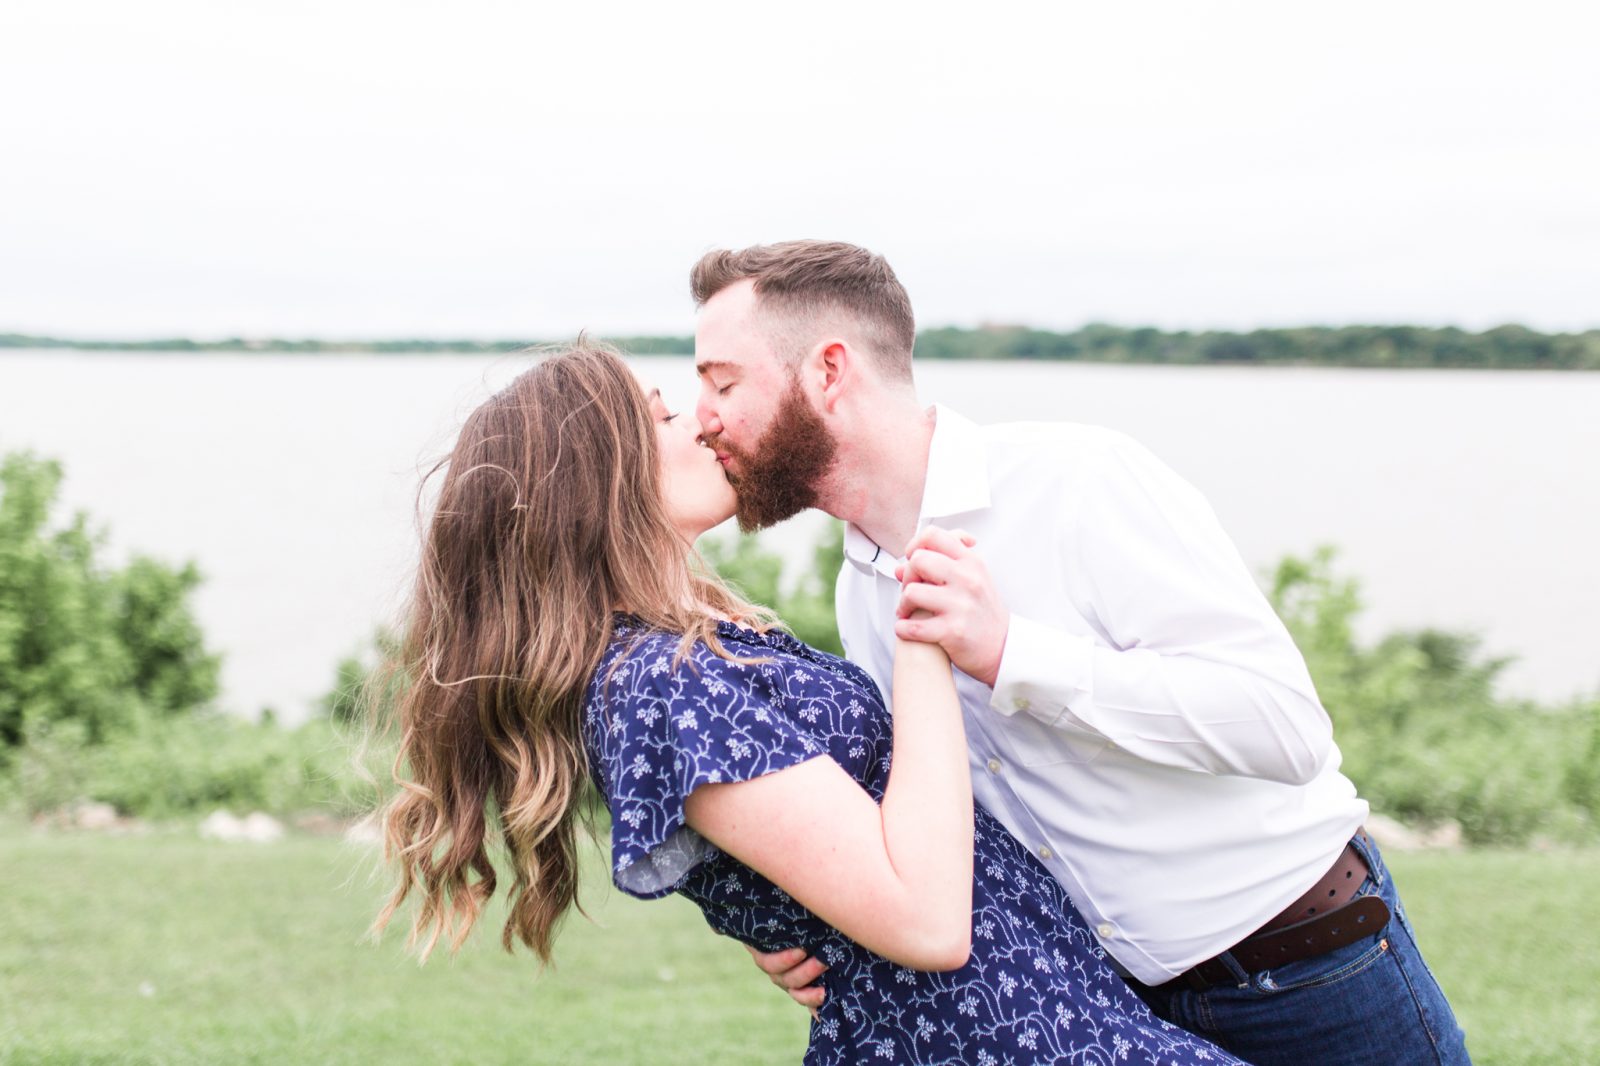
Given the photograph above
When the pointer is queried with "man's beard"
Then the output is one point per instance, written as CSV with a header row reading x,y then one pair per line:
x,y
778,477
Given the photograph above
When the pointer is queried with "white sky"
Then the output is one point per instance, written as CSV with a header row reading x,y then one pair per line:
x,y
529,169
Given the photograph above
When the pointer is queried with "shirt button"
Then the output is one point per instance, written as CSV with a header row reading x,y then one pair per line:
x,y
1021,703
1104,929
994,766
1044,853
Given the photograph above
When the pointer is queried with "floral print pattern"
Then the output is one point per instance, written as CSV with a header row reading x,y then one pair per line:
x,y
1037,987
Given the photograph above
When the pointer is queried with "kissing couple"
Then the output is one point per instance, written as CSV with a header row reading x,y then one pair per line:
x,y
1071,797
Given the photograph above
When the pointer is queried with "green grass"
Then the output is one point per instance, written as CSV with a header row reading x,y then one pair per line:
x,y
168,949
254,954
1514,939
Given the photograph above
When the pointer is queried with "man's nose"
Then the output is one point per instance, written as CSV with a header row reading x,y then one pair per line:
x,y
706,416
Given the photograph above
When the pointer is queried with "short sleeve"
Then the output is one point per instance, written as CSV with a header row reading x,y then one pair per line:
x,y
666,730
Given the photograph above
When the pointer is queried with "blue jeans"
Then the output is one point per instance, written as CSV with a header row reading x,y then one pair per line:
x,y
1370,1003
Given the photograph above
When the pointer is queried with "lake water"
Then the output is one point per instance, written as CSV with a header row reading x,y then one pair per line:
x,y
1460,499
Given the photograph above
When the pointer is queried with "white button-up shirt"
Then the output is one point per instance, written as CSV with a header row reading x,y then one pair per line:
x,y
1153,736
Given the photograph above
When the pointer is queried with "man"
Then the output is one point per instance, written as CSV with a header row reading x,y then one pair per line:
x,y
1136,714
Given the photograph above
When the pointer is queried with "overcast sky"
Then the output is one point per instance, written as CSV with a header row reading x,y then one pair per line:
x,y
528,169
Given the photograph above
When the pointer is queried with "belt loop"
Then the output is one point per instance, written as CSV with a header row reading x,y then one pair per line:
x,y
1367,848
1240,974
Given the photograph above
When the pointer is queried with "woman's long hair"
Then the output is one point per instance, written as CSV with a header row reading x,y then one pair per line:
x,y
549,517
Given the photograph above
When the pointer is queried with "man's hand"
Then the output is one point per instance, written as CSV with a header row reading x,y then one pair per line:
x,y
944,577
794,972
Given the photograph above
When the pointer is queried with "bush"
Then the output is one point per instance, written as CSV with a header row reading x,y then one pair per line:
x,y
1424,736
357,683
806,607
187,765
106,649
106,686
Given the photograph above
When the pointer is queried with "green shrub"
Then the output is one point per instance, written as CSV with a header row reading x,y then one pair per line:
x,y
189,765
106,685
1424,736
355,678
80,643
806,606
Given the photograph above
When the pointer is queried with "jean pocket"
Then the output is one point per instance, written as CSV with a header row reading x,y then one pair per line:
x,y
1329,968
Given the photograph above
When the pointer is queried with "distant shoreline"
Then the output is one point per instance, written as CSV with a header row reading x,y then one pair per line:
x,y
1502,348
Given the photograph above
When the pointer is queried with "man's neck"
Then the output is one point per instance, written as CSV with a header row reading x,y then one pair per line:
x,y
878,480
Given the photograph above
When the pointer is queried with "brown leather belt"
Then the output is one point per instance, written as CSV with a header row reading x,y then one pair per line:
x,y
1326,916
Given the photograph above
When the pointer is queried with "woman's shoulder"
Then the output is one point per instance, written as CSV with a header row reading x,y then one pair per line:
x,y
648,663
643,662
653,698
636,643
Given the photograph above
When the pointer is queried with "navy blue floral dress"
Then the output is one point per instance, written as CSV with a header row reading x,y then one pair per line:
x,y
1036,988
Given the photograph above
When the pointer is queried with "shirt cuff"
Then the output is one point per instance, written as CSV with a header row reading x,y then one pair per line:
x,y
1043,671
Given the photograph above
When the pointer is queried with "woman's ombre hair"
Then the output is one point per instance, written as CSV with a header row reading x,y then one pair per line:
x,y
549,518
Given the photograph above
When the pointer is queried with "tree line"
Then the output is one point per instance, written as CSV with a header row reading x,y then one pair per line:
x,y
1509,347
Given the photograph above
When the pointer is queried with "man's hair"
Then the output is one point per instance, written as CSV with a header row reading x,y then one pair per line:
x,y
804,279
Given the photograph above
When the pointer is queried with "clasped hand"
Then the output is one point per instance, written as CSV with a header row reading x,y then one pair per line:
x,y
946,580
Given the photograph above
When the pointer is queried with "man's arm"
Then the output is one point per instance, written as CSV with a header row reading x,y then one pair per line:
x,y
1195,671
796,973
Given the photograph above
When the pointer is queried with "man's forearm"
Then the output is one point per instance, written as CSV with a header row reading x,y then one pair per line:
x,y
1208,713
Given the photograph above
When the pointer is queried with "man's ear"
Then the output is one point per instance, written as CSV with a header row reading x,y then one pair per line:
x,y
836,362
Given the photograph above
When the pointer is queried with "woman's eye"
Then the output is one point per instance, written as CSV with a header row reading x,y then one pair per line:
x,y
669,418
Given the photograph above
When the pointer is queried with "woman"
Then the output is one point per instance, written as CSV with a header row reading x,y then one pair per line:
x,y
560,628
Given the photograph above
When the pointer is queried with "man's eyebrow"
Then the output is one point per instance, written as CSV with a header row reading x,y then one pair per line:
x,y
713,364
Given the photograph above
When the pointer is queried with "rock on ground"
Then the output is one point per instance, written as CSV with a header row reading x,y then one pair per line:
x,y
256,827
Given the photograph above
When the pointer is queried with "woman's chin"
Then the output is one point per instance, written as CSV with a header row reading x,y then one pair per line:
x,y
713,522
693,531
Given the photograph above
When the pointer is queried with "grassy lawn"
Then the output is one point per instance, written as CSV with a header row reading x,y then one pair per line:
x,y
169,949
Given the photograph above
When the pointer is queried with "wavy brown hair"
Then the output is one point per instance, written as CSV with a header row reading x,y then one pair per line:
x,y
549,518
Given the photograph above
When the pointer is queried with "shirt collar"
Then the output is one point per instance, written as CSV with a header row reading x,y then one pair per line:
x,y
957,482
958,470
859,548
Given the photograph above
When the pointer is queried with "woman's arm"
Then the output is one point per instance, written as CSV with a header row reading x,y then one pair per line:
x,y
896,878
